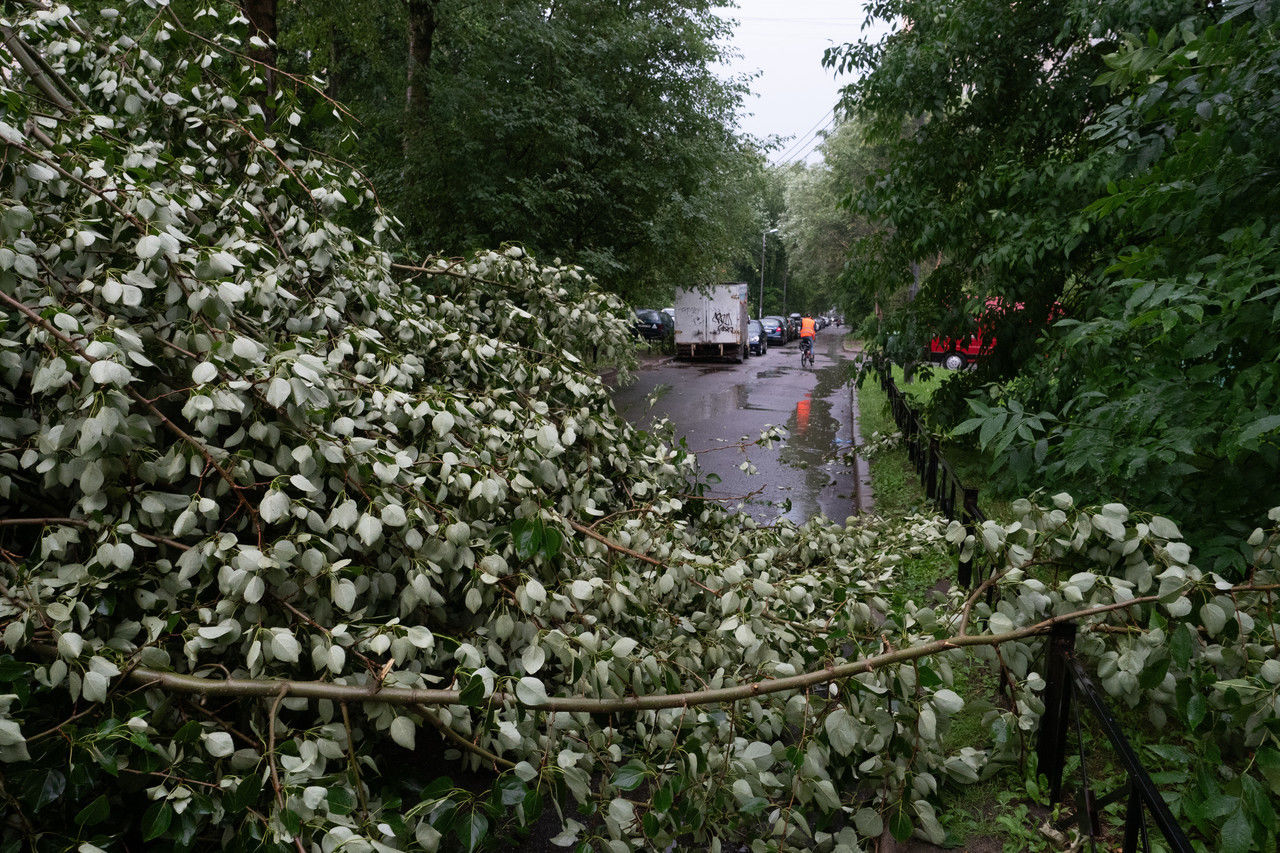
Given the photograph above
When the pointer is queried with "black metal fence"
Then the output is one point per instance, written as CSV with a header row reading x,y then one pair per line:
x,y
941,485
1066,680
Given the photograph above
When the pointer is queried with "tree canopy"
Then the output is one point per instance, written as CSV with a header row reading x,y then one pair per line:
x,y
1115,160
820,224
584,129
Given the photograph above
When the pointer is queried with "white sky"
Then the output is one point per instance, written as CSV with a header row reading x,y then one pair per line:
x,y
784,39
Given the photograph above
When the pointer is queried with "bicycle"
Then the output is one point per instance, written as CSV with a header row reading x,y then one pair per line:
x,y
806,352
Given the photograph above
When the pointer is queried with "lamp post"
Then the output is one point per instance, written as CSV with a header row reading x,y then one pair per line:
x,y
764,240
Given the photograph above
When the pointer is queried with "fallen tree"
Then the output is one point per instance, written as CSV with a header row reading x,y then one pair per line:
x,y
294,531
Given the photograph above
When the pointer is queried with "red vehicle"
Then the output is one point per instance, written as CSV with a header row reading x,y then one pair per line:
x,y
956,354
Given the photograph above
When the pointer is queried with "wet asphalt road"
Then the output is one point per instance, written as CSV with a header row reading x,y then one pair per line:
x,y
714,405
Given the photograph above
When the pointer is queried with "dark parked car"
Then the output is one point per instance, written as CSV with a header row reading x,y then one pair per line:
x,y
652,325
775,330
756,338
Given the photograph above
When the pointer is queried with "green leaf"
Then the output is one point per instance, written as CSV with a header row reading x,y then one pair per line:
x,y
13,670
1181,646
292,822
552,541
438,788
991,428
929,678
95,812
1258,805
189,733
664,797
754,805
1237,835
526,537
156,820
473,692
1197,708
629,776
900,826
1260,427
1153,675
472,830
340,799
53,786
245,794
1268,760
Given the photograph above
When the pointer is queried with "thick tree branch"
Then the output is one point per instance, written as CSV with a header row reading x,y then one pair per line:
x,y
430,697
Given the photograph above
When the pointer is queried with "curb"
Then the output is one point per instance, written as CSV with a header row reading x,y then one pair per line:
x,y
864,500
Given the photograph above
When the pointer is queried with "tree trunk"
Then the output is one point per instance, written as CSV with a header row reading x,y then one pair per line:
x,y
262,23
422,30
417,106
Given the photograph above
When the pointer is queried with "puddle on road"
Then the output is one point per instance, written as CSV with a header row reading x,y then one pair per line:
x,y
815,438
715,406
800,477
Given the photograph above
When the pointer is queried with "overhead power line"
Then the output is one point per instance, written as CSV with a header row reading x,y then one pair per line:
x,y
800,141
798,155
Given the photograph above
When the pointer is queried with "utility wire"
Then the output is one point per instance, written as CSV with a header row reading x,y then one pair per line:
x,y
799,155
824,122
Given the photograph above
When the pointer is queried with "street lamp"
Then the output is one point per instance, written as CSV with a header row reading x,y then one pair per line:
x,y
764,239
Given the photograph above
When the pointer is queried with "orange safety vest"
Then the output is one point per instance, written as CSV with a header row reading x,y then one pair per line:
x,y
806,328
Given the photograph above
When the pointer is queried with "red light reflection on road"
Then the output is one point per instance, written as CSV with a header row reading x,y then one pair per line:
x,y
802,414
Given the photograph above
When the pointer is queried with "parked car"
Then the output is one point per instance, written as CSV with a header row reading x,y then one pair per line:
x,y
671,316
757,341
652,325
775,330
960,352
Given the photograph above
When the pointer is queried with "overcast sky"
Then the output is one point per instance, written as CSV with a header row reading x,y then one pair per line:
x,y
784,40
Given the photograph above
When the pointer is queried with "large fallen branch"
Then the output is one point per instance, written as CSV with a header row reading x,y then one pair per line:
x,y
179,683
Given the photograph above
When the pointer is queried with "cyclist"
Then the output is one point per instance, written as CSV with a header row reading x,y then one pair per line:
x,y
808,332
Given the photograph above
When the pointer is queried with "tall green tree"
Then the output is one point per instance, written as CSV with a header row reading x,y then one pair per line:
x,y
821,226
1117,159
590,130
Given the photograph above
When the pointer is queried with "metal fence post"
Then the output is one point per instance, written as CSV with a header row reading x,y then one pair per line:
x,y
1051,747
931,471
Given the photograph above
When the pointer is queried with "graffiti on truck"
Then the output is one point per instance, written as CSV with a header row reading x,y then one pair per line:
x,y
724,322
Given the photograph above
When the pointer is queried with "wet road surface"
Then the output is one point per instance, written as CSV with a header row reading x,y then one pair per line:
x,y
714,405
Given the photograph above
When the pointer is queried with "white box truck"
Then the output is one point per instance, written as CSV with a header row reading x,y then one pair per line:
x,y
711,322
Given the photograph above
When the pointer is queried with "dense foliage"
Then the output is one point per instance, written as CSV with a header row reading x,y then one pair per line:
x,y
1117,159
584,129
819,223
306,548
